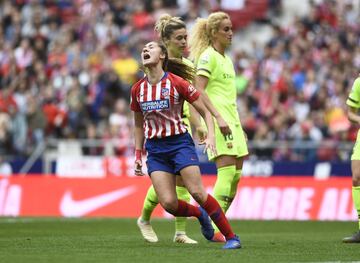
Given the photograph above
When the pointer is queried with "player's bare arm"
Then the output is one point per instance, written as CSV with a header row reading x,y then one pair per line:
x,y
139,141
210,140
195,121
200,84
353,115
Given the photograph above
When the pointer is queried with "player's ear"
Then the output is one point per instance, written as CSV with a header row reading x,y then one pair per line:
x,y
162,55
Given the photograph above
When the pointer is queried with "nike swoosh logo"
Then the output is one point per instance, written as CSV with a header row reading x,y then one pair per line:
x,y
77,208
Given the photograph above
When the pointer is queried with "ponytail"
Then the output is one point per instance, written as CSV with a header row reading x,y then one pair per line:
x,y
202,33
167,24
199,39
176,66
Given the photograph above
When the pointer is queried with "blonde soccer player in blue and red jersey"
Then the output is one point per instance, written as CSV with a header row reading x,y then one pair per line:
x,y
173,33
157,101
209,40
353,103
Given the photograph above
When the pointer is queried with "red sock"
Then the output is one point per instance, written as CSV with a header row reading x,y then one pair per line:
x,y
217,215
185,209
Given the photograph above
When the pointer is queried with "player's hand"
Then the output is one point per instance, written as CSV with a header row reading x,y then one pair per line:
x,y
209,145
138,168
201,133
223,126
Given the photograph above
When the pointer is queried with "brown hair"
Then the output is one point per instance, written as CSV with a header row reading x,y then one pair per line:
x,y
167,24
176,66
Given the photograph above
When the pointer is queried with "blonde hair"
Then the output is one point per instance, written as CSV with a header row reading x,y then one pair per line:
x,y
167,24
202,32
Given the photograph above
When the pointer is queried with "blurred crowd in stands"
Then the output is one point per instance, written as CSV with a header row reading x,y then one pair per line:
x,y
66,68
296,87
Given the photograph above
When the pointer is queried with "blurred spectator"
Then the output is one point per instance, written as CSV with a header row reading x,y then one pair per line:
x,y
36,120
265,138
125,66
24,54
6,146
119,131
92,134
55,117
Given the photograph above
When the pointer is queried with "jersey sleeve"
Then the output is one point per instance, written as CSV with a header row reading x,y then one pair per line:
x,y
205,65
354,96
134,104
187,90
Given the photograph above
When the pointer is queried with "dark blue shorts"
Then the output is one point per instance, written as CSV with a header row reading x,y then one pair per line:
x,y
171,154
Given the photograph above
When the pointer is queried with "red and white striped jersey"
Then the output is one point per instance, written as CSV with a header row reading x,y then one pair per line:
x,y
161,104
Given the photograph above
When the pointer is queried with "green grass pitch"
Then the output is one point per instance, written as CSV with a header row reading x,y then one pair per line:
x,y
118,240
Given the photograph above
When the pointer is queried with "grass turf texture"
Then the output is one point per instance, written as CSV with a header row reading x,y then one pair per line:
x,y
119,240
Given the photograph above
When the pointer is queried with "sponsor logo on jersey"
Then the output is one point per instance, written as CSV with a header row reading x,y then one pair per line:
x,y
155,105
228,76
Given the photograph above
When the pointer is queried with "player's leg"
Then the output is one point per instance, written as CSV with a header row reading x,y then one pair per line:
x,y
192,179
164,184
229,148
150,203
240,145
236,179
226,169
180,222
165,189
143,221
355,167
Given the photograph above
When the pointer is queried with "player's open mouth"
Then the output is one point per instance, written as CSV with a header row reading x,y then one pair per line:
x,y
146,56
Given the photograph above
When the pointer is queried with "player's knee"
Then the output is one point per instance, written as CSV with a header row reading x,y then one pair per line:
x,y
356,179
169,205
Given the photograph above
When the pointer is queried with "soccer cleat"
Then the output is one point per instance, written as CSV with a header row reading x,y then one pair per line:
x,y
184,239
206,228
355,238
147,231
218,237
233,243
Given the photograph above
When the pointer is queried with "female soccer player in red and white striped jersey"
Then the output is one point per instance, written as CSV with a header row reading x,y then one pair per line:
x,y
157,102
173,33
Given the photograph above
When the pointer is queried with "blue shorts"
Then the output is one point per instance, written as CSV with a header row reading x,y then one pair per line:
x,y
171,154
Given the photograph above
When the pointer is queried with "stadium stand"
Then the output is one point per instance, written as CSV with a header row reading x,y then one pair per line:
x,y
64,65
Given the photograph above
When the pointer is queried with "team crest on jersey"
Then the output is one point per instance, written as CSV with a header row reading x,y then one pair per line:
x,y
191,89
155,105
165,92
